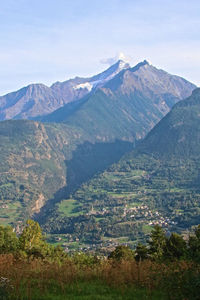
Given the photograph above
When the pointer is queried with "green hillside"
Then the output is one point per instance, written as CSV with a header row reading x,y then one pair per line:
x,y
32,166
157,183
41,163
178,134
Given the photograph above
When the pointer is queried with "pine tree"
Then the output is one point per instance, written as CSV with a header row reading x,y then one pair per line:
x,y
157,243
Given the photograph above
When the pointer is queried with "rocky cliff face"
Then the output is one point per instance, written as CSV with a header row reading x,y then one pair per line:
x,y
32,164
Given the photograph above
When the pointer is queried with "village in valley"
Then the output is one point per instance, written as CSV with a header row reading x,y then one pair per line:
x,y
139,214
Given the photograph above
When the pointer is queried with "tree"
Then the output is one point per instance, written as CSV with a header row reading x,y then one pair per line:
x,y
157,242
83,259
122,252
141,252
194,245
175,248
32,241
57,254
8,240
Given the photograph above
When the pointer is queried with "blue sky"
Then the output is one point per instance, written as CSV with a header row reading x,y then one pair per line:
x,y
46,41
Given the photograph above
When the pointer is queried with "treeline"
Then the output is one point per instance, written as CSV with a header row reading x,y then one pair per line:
x,y
166,267
160,247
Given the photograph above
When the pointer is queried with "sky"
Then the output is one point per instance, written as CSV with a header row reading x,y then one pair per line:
x,y
44,41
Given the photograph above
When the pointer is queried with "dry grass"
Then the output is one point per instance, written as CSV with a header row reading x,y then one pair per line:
x,y
26,277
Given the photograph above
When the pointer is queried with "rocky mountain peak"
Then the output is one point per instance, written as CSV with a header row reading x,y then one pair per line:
x,y
37,100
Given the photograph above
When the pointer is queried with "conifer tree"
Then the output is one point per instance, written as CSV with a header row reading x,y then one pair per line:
x,y
157,243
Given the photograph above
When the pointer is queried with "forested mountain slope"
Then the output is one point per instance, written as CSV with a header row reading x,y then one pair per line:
x,y
41,163
156,183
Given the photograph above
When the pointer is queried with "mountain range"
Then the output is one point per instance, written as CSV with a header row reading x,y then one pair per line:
x,y
142,83
127,106
38,99
50,164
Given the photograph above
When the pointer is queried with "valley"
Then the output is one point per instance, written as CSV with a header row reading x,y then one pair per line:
x,y
99,150
85,172
147,187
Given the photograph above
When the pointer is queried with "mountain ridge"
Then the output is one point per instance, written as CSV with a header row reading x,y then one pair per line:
x,y
127,106
36,100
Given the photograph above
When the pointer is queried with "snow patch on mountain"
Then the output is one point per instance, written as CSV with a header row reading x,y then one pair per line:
x,y
85,85
100,79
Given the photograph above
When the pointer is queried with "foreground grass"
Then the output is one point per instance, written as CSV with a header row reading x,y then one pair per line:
x,y
88,291
22,279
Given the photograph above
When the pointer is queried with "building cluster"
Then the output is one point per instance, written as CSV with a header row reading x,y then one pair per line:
x,y
144,212
4,206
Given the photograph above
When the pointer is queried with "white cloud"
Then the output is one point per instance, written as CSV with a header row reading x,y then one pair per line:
x,y
112,60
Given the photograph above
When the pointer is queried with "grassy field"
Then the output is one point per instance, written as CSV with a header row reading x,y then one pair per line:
x,y
68,207
94,291
10,213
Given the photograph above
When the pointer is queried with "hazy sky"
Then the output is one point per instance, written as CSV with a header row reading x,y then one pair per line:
x,y
50,40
